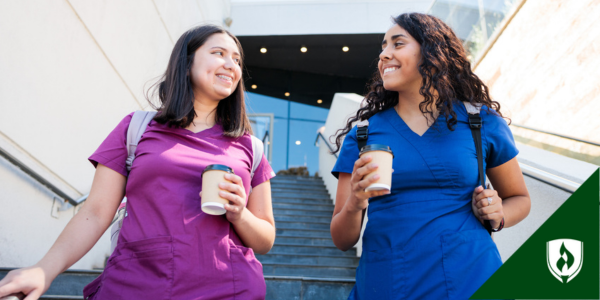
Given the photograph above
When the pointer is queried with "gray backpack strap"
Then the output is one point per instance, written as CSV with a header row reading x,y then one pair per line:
x,y
137,127
257,154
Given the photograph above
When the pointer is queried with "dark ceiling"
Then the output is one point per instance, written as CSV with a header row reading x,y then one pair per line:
x,y
323,70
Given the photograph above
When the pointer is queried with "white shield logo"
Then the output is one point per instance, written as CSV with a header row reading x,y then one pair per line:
x,y
564,258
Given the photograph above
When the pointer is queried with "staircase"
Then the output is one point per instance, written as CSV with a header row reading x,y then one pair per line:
x,y
303,264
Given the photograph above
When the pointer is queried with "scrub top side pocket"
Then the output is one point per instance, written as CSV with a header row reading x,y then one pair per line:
x,y
141,270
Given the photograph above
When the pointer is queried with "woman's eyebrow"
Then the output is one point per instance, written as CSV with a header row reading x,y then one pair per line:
x,y
219,47
394,37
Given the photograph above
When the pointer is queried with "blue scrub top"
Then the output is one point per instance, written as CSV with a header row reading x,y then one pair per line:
x,y
423,241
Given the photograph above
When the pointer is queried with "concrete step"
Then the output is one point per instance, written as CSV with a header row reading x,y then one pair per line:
x,y
307,288
298,206
307,191
309,259
305,240
301,195
303,212
300,186
303,218
314,233
298,200
286,269
302,225
279,178
310,249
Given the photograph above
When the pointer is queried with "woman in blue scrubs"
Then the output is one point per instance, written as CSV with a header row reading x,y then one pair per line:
x,y
425,239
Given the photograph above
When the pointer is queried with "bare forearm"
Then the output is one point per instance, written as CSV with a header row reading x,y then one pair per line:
x,y
254,232
78,237
345,227
515,208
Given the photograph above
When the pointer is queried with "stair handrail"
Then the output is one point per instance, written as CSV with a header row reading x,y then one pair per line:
x,y
319,134
556,134
40,179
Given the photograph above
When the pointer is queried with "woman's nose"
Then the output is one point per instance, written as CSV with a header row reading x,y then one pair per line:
x,y
385,54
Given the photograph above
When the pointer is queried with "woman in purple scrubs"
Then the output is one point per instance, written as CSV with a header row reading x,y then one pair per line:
x,y
168,248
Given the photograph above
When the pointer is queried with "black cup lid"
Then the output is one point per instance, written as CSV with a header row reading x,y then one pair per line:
x,y
219,168
376,147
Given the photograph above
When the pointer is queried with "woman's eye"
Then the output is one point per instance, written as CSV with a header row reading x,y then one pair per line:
x,y
237,60
398,44
219,52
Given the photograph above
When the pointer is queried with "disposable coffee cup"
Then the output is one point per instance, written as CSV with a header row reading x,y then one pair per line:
x,y
212,203
382,156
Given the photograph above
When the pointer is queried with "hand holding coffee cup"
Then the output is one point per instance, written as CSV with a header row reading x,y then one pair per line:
x,y
212,201
236,194
383,157
364,175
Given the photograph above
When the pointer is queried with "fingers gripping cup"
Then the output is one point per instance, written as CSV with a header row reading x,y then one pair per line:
x,y
212,203
382,156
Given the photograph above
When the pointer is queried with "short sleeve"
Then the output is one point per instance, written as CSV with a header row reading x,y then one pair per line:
x,y
113,150
347,155
263,172
500,142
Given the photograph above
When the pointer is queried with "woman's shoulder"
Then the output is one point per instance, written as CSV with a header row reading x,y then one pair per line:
x,y
487,114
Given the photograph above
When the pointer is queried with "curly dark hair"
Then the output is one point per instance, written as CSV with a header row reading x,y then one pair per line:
x,y
444,67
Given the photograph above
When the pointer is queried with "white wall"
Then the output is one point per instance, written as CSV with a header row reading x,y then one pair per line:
x,y
290,17
71,70
343,106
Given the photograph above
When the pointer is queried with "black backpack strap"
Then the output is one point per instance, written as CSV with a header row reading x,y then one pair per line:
x,y
475,123
362,134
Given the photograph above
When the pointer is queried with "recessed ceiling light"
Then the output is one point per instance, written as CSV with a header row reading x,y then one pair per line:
x,y
303,49
345,49
287,94
298,142
263,50
319,101
254,86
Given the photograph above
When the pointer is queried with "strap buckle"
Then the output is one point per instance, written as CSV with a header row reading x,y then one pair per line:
x,y
362,133
475,121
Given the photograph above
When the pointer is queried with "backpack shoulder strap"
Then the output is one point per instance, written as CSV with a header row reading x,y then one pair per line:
x,y
362,133
257,154
137,127
475,123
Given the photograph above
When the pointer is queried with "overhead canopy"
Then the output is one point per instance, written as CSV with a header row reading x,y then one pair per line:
x,y
320,72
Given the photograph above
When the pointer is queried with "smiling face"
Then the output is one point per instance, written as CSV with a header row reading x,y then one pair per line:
x,y
399,61
216,70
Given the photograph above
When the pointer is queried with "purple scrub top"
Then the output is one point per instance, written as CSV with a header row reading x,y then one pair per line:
x,y
168,248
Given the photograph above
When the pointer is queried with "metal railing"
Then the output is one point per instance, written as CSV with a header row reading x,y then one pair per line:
x,y
556,134
40,179
326,143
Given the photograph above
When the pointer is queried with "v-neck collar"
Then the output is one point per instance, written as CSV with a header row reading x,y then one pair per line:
x,y
205,132
398,123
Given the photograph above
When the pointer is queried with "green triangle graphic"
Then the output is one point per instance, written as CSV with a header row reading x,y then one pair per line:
x,y
526,275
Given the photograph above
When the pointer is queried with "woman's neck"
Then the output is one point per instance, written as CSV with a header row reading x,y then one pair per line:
x,y
408,106
205,114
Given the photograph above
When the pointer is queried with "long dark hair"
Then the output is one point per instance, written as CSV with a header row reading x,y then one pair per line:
x,y
444,67
176,93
